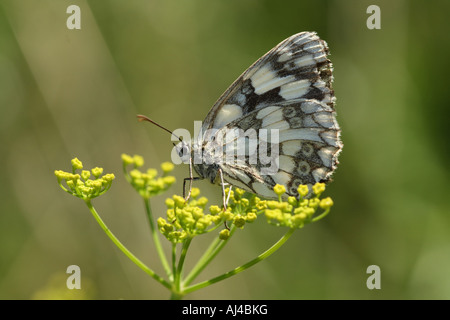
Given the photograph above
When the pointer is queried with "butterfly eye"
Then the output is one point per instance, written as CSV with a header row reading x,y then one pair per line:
x,y
184,151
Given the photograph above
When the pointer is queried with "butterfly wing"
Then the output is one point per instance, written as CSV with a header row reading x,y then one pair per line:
x,y
288,89
296,68
305,150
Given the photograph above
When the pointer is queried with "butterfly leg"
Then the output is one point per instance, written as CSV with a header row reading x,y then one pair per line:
x,y
225,197
229,193
190,179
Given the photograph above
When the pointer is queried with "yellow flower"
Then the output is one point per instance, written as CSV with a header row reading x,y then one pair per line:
x,y
170,203
126,159
279,189
77,164
318,188
195,192
87,189
168,180
167,167
214,210
85,174
326,203
96,172
224,234
251,216
239,221
179,201
303,190
138,160
238,193
202,201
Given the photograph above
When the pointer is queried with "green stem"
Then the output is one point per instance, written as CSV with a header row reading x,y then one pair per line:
x,y
155,237
237,270
125,172
321,216
174,258
201,263
212,251
131,256
176,296
179,272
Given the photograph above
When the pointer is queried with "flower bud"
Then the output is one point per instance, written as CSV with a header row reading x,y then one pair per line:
x,y
224,234
279,189
77,164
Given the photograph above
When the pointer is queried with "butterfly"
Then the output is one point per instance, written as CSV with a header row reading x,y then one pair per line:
x,y
286,99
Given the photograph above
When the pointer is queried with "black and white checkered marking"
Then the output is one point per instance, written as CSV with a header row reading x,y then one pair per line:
x,y
288,89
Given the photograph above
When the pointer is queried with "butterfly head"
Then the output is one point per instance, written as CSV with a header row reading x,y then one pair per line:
x,y
183,150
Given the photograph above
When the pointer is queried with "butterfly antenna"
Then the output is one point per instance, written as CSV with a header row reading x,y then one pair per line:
x,y
145,118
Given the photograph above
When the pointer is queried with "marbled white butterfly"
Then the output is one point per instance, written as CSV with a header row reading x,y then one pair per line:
x,y
287,91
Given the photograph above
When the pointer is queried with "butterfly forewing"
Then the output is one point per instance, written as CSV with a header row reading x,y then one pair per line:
x,y
288,94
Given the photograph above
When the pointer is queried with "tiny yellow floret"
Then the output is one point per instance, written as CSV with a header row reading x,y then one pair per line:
x,y
85,174
195,192
97,171
303,190
326,203
167,167
77,164
318,188
138,160
279,189
224,234
127,159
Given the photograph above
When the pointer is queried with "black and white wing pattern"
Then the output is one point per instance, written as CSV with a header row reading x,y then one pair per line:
x,y
287,93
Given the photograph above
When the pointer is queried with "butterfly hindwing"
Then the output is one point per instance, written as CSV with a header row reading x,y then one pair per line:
x,y
309,144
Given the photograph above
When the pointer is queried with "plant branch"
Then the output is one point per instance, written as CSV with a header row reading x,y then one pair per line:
x,y
245,266
155,237
131,256
214,248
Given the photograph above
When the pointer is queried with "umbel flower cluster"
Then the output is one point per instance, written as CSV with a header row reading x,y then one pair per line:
x,y
147,183
185,220
81,185
295,213
190,218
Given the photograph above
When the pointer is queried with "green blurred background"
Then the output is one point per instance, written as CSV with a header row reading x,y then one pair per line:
x,y
67,93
